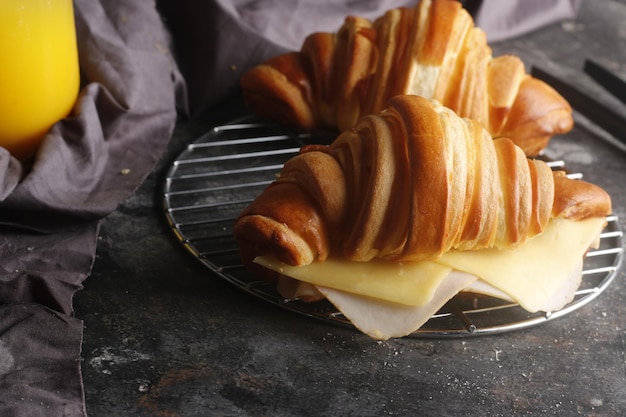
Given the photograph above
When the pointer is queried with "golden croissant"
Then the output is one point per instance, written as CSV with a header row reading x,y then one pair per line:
x,y
432,50
409,183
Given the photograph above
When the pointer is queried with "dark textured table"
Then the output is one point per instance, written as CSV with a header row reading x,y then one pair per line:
x,y
165,337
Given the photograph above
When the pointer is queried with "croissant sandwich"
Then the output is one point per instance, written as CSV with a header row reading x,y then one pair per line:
x,y
433,50
413,205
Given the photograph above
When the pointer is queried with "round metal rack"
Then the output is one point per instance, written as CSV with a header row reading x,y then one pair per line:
x,y
221,172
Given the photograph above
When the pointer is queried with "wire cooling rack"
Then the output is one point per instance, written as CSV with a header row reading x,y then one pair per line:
x,y
219,174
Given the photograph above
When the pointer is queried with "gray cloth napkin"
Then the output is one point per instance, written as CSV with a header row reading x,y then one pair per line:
x,y
503,20
39,362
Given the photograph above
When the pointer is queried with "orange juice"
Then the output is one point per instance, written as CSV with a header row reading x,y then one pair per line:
x,y
39,75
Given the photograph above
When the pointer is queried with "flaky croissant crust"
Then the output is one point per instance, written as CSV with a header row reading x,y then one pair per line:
x,y
409,183
432,50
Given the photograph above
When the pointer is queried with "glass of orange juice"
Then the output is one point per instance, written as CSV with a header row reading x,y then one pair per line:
x,y
39,74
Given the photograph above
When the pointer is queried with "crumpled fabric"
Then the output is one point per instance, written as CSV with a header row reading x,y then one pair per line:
x,y
46,269
39,362
508,19
133,88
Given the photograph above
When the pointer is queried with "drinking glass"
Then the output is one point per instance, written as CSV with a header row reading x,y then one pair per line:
x,y
39,73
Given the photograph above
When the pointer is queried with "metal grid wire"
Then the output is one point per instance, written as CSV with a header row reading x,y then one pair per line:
x,y
219,174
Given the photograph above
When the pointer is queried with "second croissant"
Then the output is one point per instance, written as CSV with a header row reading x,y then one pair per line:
x,y
433,50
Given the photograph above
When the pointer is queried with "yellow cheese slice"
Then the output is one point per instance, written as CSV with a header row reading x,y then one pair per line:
x,y
533,272
409,283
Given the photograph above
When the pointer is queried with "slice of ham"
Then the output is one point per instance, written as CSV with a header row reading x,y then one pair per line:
x,y
383,320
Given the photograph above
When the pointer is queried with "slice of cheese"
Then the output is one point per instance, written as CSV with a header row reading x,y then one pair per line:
x,y
534,272
482,287
409,283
